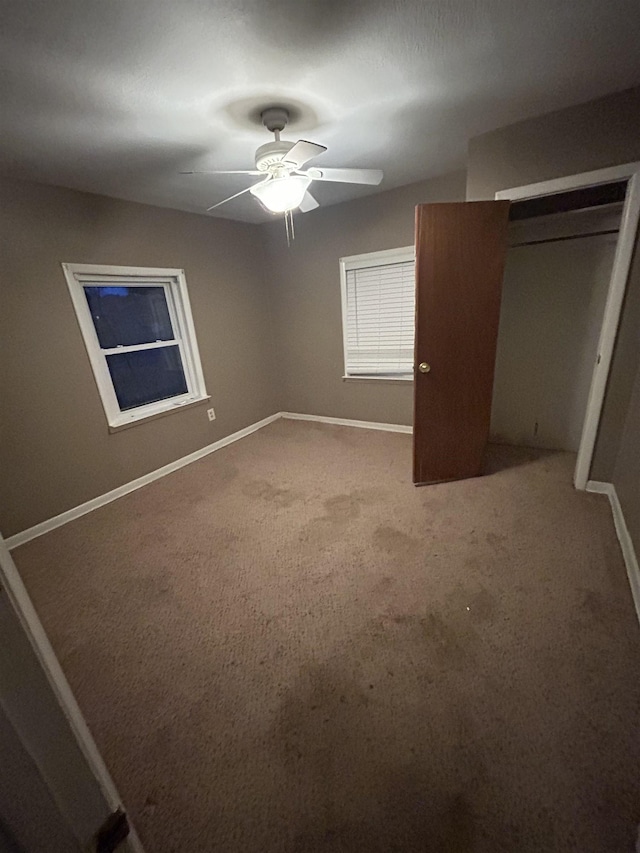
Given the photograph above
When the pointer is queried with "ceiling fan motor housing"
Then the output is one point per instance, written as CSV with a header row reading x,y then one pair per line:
x,y
271,154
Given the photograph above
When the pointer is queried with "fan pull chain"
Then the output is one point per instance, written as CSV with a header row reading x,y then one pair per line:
x,y
288,224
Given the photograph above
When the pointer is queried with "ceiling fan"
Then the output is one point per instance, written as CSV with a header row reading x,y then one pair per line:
x,y
285,185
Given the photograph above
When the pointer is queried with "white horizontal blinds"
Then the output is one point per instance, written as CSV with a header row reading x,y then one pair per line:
x,y
380,319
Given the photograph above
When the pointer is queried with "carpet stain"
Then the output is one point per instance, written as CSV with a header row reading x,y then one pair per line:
x,y
316,720
447,643
225,472
458,828
150,805
482,606
446,640
496,540
266,491
342,508
152,589
598,609
385,584
340,511
392,540
474,565
223,537
478,605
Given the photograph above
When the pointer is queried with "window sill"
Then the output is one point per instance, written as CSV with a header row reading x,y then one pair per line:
x,y
126,422
377,378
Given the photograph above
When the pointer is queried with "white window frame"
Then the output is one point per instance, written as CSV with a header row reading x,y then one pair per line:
x,y
174,283
358,262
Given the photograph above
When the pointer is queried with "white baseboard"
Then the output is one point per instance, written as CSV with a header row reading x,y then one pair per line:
x,y
624,537
346,422
77,511
599,488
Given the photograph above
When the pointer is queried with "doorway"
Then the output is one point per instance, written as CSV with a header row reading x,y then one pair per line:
x,y
607,305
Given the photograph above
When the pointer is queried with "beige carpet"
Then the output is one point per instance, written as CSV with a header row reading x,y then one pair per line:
x,y
287,647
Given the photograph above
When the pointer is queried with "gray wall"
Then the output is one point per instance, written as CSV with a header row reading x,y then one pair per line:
x,y
553,301
307,299
626,475
599,133
626,356
619,434
56,451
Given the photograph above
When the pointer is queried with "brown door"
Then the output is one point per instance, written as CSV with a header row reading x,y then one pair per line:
x,y
460,253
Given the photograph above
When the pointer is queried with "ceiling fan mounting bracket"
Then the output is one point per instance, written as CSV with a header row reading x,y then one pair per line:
x,y
275,118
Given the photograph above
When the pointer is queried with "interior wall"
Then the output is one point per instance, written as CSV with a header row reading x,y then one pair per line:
x,y
553,300
56,451
599,133
626,475
624,365
307,299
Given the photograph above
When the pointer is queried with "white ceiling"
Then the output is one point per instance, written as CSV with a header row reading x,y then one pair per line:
x,y
118,96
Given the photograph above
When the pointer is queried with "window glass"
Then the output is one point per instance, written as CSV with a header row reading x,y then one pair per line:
x,y
125,316
146,376
138,330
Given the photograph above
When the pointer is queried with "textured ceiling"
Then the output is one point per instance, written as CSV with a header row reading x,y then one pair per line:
x,y
118,96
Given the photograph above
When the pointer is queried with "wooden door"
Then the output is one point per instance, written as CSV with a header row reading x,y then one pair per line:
x,y
460,254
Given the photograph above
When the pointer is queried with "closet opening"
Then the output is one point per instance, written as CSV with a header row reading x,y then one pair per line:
x,y
570,248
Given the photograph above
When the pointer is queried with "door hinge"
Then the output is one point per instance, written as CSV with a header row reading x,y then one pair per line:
x,y
113,832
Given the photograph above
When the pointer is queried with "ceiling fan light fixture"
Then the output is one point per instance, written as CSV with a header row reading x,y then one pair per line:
x,y
282,194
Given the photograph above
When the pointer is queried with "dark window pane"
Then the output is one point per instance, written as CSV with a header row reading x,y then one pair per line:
x,y
124,316
146,376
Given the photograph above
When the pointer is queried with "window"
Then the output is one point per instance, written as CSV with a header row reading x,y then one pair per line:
x,y
139,334
378,314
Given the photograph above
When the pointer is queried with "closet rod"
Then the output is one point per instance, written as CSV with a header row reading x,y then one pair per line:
x,y
568,237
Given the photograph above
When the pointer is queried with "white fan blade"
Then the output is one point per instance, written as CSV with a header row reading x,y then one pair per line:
x,y
231,197
308,203
347,176
218,172
302,152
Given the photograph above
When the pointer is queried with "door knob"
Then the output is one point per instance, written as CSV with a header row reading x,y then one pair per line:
x,y
423,367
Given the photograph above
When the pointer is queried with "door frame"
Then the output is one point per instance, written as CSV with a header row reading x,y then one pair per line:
x,y
615,294
11,583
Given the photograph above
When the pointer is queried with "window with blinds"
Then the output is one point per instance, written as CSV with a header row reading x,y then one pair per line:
x,y
378,313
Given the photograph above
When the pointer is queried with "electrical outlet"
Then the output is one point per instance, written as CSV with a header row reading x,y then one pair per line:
x,y
211,414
